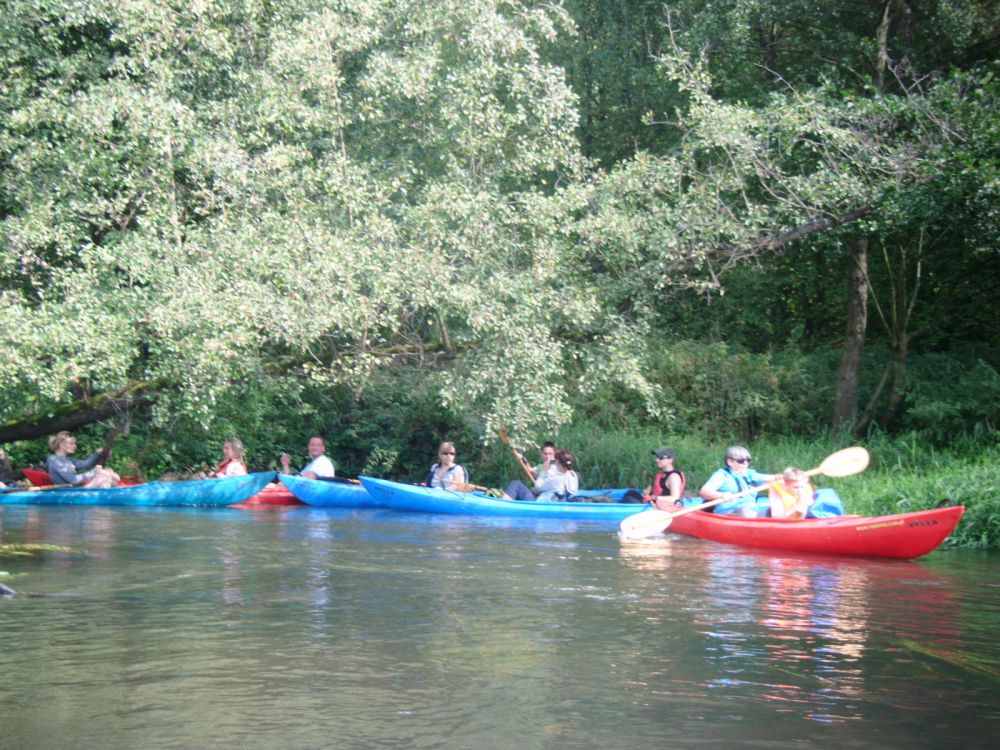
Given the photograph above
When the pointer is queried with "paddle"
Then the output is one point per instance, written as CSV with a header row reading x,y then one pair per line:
x,y
341,480
843,463
517,456
46,487
465,486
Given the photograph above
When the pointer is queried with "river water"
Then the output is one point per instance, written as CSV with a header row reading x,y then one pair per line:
x,y
307,628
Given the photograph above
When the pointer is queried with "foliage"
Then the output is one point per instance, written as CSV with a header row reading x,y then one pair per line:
x,y
222,196
396,222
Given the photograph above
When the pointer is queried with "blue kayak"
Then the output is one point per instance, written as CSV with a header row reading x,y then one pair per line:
x,y
429,500
211,492
329,493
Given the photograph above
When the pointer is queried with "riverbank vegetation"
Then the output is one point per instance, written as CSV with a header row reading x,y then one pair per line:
x,y
396,222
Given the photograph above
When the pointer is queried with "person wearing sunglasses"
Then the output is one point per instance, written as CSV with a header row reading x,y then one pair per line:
x,y
446,474
735,477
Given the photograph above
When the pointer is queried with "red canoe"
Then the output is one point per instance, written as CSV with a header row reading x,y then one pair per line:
x,y
274,494
905,535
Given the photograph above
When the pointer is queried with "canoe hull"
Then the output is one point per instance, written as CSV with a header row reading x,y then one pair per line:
x,y
905,536
274,495
203,492
329,494
409,497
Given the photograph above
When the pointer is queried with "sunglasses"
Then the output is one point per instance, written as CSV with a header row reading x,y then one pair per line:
x,y
447,453
742,460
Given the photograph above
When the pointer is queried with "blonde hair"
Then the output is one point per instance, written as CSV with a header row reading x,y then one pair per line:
x,y
56,440
237,445
793,474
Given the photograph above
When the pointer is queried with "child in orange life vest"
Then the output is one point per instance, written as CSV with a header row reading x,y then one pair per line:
x,y
792,496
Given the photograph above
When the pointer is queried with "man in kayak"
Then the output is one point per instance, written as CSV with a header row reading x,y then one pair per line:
x,y
319,467
63,469
734,478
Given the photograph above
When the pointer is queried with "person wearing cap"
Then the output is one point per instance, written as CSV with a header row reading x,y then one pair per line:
x,y
667,490
734,478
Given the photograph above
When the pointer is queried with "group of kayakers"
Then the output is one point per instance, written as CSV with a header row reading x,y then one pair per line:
x,y
63,469
730,489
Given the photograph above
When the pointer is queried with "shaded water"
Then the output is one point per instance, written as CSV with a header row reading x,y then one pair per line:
x,y
301,628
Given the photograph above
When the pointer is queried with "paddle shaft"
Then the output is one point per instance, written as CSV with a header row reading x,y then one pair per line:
x,y
517,457
734,496
465,486
340,480
40,489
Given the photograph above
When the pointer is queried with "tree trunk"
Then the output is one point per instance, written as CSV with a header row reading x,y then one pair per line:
x,y
882,40
79,413
846,401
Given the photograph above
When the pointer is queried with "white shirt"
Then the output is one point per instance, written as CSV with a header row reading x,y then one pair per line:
x,y
321,466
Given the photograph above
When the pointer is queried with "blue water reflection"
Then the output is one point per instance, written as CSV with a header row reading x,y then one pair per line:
x,y
308,628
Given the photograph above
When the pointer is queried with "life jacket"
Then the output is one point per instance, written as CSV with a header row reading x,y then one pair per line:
x,y
786,496
660,482
741,482
220,470
447,475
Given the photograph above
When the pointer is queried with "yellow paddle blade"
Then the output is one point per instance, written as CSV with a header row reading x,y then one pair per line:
x,y
844,463
644,524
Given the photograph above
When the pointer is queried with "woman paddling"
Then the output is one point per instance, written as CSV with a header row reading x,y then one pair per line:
x,y
734,478
63,469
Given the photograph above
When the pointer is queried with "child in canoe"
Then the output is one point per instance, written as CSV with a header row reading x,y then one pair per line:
x,y
792,496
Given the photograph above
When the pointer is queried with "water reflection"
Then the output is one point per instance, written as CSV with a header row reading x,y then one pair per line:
x,y
282,630
798,633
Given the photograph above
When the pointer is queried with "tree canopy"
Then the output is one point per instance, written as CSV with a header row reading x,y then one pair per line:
x,y
208,199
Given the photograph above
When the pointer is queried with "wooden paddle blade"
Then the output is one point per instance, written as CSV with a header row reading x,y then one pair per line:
x,y
645,524
844,463
464,486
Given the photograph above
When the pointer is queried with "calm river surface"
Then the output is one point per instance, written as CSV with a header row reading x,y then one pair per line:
x,y
305,628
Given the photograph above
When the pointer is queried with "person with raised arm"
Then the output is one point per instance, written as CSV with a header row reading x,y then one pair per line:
x,y
446,474
518,490
319,466
63,469
734,478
